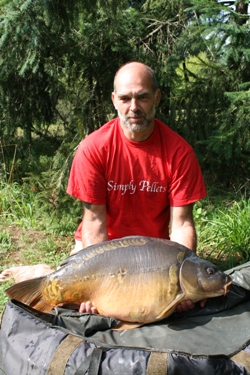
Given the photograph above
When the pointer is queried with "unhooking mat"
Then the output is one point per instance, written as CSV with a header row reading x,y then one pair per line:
x,y
213,340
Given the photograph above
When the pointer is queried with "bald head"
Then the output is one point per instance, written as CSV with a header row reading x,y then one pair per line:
x,y
134,71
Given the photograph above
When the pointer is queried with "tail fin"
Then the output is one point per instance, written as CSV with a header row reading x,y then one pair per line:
x,y
30,293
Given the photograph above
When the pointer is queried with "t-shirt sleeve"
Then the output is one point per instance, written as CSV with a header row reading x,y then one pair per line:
x,y
187,185
87,176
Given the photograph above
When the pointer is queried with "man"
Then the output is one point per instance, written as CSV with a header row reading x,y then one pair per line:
x,y
135,175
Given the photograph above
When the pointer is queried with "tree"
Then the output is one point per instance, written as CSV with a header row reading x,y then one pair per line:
x,y
214,96
29,85
46,45
60,59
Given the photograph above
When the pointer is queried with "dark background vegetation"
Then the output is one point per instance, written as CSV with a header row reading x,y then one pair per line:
x,y
58,60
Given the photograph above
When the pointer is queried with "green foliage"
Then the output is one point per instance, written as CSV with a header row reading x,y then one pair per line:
x,y
3,298
209,106
230,140
224,233
18,205
39,203
5,241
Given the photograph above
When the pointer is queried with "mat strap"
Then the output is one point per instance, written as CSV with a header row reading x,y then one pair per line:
x,y
157,364
91,363
243,358
62,354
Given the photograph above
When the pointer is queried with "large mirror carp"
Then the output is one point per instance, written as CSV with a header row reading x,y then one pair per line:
x,y
134,279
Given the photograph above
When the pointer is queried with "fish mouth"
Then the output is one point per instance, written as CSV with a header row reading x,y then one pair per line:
x,y
224,290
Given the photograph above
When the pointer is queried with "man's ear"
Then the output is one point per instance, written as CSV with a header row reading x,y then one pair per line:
x,y
158,97
113,97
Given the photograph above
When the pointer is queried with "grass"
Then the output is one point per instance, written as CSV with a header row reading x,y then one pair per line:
x,y
5,241
36,227
224,231
29,247
30,231
227,233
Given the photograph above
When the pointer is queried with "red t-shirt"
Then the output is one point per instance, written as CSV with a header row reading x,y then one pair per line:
x,y
138,181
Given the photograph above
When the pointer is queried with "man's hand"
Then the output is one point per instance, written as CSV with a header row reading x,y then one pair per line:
x,y
87,307
188,305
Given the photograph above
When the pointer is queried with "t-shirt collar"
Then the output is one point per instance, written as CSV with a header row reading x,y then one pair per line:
x,y
135,143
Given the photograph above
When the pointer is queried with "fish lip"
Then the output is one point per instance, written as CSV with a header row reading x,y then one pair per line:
x,y
225,288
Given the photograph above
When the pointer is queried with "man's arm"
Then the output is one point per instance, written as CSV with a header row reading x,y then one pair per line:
x,y
181,227
94,224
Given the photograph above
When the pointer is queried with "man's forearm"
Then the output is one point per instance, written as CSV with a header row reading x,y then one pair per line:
x,y
186,236
94,225
181,226
93,232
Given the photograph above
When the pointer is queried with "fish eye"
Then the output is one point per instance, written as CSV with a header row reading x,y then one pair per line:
x,y
210,271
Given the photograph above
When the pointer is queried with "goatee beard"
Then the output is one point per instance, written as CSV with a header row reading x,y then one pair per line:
x,y
143,121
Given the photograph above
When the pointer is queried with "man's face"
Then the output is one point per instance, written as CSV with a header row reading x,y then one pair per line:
x,y
135,100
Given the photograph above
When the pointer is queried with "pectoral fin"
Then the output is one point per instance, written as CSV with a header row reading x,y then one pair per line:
x,y
121,326
169,309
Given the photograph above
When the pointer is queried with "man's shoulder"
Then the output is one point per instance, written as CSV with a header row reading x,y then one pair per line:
x,y
102,135
106,129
